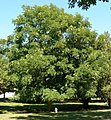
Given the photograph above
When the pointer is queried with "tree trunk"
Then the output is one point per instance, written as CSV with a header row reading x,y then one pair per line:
x,y
4,95
49,105
85,103
109,102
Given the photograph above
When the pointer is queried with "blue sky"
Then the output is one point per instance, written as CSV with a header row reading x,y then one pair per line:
x,y
99,16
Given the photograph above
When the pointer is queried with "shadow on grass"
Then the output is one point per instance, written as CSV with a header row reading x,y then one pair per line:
x,y
23,108
37,108
76,115
40,112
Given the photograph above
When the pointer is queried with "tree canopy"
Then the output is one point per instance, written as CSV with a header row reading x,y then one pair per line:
x,y
54,56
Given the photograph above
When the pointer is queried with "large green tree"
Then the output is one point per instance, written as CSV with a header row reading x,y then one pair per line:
x,y
54,56
38,31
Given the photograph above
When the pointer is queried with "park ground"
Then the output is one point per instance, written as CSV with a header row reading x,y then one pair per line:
x,y
66,111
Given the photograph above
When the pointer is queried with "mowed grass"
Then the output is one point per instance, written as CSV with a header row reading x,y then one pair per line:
x,y
66,111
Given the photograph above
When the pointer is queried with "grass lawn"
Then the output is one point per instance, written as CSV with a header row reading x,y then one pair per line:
x,y
67,111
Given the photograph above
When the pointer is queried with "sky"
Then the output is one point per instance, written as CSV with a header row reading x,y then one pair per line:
x,y
99,15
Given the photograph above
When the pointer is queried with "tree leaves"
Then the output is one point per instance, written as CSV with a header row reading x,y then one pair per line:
x,y
54,55
84,4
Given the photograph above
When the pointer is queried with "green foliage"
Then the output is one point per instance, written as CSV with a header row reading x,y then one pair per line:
x,y
54,55
51,95
6,84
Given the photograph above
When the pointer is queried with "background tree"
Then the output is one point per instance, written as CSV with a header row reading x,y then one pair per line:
x,y
5,80
104,44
